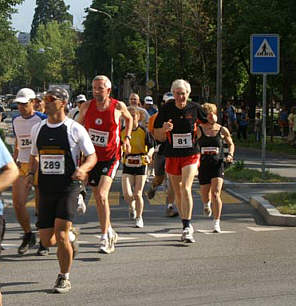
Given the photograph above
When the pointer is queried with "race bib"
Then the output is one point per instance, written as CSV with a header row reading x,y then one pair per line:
x,y
52,164
134,161
181,141
99,138
25,142
209,150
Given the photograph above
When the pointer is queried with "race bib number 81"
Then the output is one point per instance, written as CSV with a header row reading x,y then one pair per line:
x,y
99,138
181,141
52,164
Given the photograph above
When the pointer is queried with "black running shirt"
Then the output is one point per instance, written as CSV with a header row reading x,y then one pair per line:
x,y
182,140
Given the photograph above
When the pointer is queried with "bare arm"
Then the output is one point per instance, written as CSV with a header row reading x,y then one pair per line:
x,y
228,139
16,150
8,175
82,112
128,125
81,172
33,166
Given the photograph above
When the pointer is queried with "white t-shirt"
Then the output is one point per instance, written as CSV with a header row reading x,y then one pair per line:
x,y
74,113
78,138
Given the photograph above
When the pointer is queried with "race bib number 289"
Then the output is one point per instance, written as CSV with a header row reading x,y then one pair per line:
x,y
52,164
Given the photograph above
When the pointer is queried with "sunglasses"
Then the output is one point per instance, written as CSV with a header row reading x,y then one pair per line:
x,y
50,98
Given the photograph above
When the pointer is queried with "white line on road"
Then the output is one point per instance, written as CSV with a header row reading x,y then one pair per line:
x,y
164,235
265,228
210,232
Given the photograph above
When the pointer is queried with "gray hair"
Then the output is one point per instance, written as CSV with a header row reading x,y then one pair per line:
x,y
104,78
181,84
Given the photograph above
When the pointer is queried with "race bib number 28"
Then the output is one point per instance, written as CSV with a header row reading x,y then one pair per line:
x,y
52,164
99,138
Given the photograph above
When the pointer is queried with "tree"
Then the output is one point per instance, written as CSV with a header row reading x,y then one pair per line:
x,y
50,10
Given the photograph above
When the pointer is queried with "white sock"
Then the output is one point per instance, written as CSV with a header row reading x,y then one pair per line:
x,y
110,231
208,204
66,275
217,221
71,236
104,236
170,205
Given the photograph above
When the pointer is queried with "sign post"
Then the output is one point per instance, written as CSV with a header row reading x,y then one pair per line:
x,y
265,59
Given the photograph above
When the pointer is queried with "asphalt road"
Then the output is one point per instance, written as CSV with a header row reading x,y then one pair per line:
x,y
249,263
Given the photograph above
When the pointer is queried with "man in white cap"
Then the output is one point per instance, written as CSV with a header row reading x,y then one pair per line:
x,y
22,125
74,113
148,104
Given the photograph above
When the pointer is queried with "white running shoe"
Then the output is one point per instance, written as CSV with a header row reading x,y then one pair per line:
x,y
132,213
187,235
81,208
114,236
139,222
106,247
217,228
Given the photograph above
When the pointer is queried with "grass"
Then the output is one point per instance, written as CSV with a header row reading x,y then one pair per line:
x,y
285,202
278,145
238,173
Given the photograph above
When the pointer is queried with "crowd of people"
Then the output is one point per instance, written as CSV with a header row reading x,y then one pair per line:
x,y
59,153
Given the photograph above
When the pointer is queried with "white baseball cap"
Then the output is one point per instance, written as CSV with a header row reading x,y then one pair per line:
x,y
24,95
148,100
168,96
80,98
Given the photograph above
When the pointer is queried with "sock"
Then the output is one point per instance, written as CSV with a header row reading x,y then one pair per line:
x,y
170,205
208,204
217,221
104,237
110,231
66,275
186,223
71,236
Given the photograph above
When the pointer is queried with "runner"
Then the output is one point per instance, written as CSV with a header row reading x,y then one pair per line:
x,y
134,100
74,112
135,167
159,166
176,124
8,173
56,146
22,125
39,104
211,170
101,116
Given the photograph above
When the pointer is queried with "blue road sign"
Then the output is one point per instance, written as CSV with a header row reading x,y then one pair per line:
x,y
265,54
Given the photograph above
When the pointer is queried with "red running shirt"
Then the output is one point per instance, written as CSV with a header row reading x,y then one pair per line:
x,y
103,130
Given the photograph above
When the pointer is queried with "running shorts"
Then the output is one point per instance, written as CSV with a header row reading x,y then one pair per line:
x,y
24,171
135,170
207,172
174,165
107,168
159,164
60,205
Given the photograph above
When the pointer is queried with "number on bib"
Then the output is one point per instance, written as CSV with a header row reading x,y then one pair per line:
x,y
181,141
99,138
52,164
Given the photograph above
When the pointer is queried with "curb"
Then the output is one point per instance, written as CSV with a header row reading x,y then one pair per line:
x,y
270,214
258,185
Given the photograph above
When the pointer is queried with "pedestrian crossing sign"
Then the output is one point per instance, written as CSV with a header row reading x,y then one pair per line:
x,y
264,54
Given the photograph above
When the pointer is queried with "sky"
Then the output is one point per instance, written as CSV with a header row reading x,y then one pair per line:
x,y
22,20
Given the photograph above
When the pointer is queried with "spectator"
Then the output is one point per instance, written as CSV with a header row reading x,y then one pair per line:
x,y
283,120
243,121
231,116
292,125
258,127
74,112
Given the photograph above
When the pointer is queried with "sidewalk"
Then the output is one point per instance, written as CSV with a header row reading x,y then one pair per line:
x,y
253,192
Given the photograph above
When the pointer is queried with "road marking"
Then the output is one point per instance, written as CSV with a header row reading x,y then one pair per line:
x,y
114,198
164,235
265,228
119,237
210,232
159,198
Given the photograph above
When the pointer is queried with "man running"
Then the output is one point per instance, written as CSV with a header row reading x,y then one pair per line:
x,y
22,125
176,124
101,116
56,146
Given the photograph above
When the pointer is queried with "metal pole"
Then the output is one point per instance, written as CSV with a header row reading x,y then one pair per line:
x,y
147,47
263,152
219,59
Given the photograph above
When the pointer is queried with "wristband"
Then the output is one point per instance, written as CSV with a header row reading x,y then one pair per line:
x,y
230,154
128,137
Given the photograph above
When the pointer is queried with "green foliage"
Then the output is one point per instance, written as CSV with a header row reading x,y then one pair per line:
x,y
47,11
239,165
285,202
245,175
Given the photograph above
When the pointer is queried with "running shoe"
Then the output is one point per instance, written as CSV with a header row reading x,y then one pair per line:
x,y
217,228
139,222
107,245
132,211
171,211
29,240
42,251
74,243
62,285
187,235
151,192
81,208
207,210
